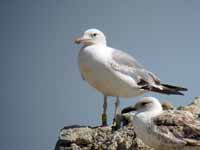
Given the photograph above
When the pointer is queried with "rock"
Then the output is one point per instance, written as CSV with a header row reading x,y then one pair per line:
x,y
83,135
194,107
100,138
103,138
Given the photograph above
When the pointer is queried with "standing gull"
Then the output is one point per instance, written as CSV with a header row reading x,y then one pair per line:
x,y
114,72
164,130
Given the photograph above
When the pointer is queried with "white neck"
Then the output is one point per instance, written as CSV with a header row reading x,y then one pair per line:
x,y
147,115
102,42
95,44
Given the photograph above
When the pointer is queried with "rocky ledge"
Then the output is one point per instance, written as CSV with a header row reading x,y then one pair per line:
x,y
103,138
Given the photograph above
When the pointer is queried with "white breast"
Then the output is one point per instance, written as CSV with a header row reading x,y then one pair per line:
x,y
142,131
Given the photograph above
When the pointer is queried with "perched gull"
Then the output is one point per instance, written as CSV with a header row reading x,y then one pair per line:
x,y
114,72
164,130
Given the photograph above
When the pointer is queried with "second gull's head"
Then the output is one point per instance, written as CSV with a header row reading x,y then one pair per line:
x,y
149,105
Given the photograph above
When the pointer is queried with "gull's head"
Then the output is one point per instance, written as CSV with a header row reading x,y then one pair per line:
x,y
146,104
91,36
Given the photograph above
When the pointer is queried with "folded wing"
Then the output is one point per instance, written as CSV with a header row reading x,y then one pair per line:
x,y
178,127
126,64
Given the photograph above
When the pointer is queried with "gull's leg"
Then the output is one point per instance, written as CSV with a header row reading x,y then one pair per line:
x,y
104,116
117,117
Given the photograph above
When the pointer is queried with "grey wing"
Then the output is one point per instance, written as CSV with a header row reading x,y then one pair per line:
x,y
178,127
128,65
123,58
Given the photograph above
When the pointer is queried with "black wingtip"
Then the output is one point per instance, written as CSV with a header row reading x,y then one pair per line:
x,y
179,93
164,90
178,88
171,92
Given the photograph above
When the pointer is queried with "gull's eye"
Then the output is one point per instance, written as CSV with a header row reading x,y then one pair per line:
x,y
143,104
94,34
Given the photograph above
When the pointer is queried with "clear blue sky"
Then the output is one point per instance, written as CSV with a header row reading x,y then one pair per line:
x,y
41,88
